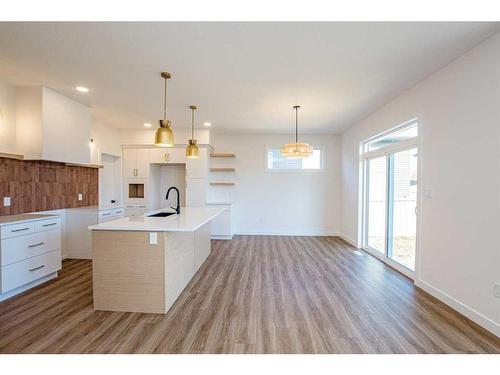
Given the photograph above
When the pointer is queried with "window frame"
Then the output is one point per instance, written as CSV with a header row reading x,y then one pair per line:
x,y
309,170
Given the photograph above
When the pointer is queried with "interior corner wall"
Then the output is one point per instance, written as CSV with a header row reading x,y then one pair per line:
x,y
7,118
458,258
281,202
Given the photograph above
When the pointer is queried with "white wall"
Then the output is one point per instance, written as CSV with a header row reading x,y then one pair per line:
x,y
459,110
7,118
281,202
107,138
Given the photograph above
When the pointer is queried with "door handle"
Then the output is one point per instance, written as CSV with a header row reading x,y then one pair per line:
x,y
36,268
36,244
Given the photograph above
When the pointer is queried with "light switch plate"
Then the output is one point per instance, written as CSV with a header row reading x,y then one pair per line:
x,y
6,201
427,193
80,196
496,290
153,238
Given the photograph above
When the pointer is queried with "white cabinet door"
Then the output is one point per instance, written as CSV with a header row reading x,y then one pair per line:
x,y
129,162
198,168
142,165
196,192
159,155
170,155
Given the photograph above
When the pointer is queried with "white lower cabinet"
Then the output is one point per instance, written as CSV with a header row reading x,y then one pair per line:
x,y
30,252
23,272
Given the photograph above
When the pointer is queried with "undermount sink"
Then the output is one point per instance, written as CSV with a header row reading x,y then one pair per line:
x,y
162,214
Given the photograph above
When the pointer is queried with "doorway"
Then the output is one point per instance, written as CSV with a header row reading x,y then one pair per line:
x,y
390,164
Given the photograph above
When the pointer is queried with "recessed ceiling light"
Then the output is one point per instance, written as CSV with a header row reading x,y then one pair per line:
x,y
147,125
207,124
82,89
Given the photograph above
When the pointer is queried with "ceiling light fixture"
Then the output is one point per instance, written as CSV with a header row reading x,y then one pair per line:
x,y
82,89
147,125
164,135
192,149
296,150
207,124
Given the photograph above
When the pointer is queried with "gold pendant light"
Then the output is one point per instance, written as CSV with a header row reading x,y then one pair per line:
x,y
192,149
296,150
164,135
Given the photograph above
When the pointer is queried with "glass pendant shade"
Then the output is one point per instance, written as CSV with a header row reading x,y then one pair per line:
x,y
296,150
192,149
164,136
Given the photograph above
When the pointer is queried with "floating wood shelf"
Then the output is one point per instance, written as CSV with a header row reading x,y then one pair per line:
x,y
222,155
11,156
222,169
222,183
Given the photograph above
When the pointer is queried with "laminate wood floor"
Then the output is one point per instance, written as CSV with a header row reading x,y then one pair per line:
x,y
254,294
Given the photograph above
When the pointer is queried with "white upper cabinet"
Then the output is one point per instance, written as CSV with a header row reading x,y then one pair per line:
x,y
136,162
168,155
142,162
198,168
51,126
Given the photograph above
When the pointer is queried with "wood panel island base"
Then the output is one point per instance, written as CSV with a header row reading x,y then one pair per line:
x,y
142,264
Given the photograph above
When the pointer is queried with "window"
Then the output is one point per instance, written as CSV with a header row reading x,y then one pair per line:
x,y
408,132
275,161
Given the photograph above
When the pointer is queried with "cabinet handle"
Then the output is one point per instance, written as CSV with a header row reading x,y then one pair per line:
x,y
167,156
36,244
48,225
106,214
19,230
36,268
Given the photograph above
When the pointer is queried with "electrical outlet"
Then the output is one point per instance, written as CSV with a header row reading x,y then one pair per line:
x,y
80,196
153,238
496,290
6,201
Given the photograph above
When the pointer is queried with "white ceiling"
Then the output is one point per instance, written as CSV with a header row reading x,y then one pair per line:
x,y
244,77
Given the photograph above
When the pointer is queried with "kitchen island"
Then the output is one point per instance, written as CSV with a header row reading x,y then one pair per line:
x,y
142,263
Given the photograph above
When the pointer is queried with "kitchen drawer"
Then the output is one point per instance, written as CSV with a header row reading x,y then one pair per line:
x,y
20,248
15,230
110,215
17,274
48,224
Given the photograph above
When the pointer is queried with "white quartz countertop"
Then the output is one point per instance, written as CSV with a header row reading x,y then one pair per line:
x,y
189,220
98,208
23,218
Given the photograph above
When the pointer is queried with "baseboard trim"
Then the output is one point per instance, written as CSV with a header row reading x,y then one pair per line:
x,y
463,309
278,233
348,239
224,237
25,287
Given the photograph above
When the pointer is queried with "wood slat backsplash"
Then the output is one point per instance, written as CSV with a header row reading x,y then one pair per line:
x,y
44,185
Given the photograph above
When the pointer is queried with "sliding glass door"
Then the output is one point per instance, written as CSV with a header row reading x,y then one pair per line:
x,y
390,199
402,208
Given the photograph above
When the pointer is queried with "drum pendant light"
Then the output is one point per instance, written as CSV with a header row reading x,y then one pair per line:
x,y
192,149
296,150
164,135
